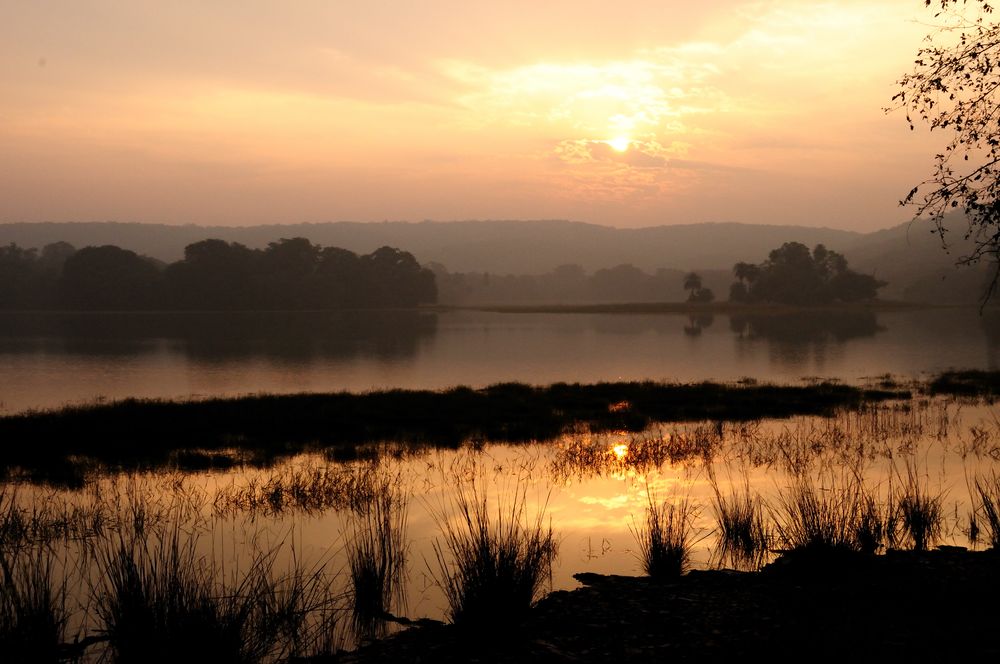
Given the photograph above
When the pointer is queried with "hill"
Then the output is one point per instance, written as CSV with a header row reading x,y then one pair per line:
x,y
499,247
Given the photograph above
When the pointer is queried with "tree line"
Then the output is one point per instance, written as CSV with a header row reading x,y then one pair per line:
x,y
795,276
214,274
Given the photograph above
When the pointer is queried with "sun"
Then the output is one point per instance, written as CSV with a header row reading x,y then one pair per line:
x,y
619,143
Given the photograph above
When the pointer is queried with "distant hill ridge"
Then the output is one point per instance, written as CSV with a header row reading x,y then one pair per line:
x,y
908,256
515,247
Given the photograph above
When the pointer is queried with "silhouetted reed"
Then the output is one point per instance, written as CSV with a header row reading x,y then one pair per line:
x,y
665,538
492,561
311,486
161,601
376,556
588,455
743,535
841,513
987,506
33,611
921,516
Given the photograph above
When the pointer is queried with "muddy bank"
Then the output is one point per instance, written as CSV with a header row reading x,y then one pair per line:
x,y
939,605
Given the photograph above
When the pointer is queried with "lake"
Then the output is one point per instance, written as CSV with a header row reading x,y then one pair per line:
x,y
51,359
291,527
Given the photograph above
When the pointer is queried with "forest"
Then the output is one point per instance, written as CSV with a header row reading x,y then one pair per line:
x,y
213,275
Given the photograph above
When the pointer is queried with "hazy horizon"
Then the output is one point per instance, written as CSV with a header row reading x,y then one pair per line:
x,y
633,115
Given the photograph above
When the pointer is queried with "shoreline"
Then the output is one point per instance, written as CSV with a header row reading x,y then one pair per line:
x,y
806,606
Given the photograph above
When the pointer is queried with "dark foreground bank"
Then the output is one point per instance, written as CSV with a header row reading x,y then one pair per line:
x,y
902,606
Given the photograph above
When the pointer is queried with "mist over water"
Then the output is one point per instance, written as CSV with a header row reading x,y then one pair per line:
x,y
51,359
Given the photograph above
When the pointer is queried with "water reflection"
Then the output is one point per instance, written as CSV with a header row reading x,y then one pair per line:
x,y
697,323
818,327
221,336
49,359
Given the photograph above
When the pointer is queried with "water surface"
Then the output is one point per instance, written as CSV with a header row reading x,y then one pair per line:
x,y
50,359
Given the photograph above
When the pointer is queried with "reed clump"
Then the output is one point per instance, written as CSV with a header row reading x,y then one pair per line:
x,y
376,556
665,538
744,535
493,562
160,601
986,492
838,513
33,607
920,513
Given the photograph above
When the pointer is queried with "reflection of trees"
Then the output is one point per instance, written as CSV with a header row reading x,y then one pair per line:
x,y
815,327
698,322
212,336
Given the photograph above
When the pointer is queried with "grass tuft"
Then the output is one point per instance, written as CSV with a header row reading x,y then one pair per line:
x,y
493,564
376,554
33,613
921,514
161,601
987,496
665,539
744,537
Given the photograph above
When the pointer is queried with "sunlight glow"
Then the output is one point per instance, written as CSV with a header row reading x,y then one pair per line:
x,y
619,143
620,450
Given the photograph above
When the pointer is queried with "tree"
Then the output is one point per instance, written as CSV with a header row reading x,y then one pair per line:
x,y
955,88
692,282
794,275
109,278
699,295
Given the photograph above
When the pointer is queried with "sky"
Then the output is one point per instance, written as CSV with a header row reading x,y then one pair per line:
x,y
626,113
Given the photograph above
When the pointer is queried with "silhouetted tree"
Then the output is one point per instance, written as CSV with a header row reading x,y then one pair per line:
x,y
955,87
395,278
213,275
692,284
18,277
738,292
109,278
794,275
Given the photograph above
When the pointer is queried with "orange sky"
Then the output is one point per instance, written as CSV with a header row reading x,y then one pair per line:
x,y
629,113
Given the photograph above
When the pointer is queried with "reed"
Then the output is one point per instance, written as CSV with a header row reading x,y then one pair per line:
x,y
743,535
161,601
812,518
33,606
665,538
492,563
376,556
921,514
986,490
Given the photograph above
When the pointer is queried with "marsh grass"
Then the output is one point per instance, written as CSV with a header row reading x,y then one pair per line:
x,y
833,512
986,498
310,486
665,538
272,426
920,512
744,536
492,561
376,557
161,601
33,606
